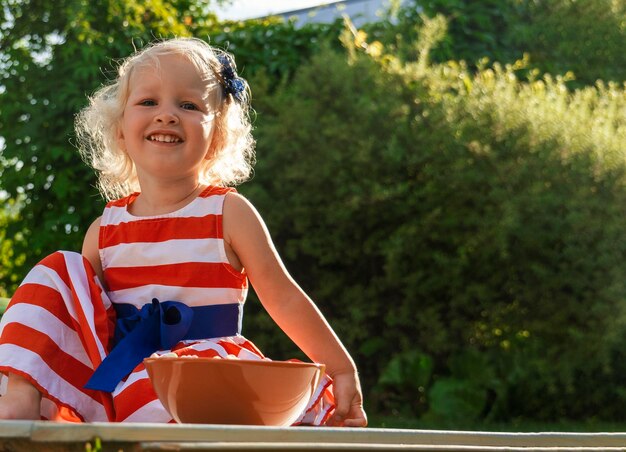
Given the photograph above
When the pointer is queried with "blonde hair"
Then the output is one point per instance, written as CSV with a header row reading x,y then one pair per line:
x,y
97,124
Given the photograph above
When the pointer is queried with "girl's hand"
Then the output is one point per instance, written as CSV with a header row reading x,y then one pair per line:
x,y
349,411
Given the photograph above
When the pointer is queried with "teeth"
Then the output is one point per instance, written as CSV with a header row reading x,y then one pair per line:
x,y
164,138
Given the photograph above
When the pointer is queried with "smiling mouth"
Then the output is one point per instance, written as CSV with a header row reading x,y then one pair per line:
x,y
162,138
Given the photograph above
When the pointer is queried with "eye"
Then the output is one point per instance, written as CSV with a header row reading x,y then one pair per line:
x,y
188,106
147,103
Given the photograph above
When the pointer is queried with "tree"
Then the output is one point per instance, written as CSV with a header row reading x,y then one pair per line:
x,y
55,53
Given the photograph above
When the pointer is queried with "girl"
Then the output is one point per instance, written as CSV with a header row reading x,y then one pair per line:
x,y
174,247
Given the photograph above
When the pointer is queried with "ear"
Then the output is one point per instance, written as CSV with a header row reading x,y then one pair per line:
x,y
215,143
121,141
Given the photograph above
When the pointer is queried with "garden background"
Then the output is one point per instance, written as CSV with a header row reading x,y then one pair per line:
x,y
449,185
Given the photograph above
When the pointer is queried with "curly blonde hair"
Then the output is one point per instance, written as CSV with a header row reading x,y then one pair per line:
x,y
97,125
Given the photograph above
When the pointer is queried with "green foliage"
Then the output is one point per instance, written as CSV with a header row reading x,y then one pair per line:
x,y
408,372
52,57
272,45
55,54
96,447
460,226
9,258
474,217
585,37
4,302
476,29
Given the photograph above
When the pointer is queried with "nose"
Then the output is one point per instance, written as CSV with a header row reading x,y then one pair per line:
x,y
166,116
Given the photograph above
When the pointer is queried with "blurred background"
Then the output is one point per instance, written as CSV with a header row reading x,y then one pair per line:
x,y
446,178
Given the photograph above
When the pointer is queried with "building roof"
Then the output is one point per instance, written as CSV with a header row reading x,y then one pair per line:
x,y
359,11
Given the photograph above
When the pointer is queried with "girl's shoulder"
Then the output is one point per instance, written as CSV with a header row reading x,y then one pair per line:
x,y
122,202
213,190
239,214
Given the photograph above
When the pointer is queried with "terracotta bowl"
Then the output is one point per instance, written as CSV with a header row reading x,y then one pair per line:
x,y
232,391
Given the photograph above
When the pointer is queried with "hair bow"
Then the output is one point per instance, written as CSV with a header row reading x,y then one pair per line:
x,y
232,83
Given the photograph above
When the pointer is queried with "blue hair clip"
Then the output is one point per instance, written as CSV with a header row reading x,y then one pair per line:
x,y
232,83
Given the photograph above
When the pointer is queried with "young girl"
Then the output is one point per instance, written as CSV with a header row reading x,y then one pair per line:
x,y
166,266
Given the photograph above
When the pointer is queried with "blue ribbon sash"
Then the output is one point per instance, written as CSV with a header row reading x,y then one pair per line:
x,y
159,326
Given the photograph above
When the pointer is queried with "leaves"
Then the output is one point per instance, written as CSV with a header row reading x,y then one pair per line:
x,y
461,227
482,227
411,369
456,400
55,55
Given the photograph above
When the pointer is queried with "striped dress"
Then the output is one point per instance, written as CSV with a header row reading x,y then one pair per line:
x,y
60,323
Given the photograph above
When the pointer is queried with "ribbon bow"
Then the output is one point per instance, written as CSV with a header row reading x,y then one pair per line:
x,y
156,326
160,326
233,84
172,317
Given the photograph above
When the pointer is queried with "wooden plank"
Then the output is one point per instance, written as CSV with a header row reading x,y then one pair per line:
x,y
59,432
15,429
331,447
284,447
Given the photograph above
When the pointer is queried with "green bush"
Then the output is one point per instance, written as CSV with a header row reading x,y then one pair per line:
x,y
272,45
460,228
585,37
442,219
476,29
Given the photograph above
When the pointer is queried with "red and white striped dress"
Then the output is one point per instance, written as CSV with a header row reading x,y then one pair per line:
x,y
60,323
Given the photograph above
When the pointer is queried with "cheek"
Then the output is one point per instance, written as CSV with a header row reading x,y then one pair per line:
x,y
128,127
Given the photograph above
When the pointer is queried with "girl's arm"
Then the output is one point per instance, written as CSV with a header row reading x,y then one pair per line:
x,y
90,248
294,312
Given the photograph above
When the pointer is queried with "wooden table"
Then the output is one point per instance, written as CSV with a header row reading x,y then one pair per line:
x,y
28,436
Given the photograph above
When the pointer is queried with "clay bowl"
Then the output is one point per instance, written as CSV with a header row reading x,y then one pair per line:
x,y
233,391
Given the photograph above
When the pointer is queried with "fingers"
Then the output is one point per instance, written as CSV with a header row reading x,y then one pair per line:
x,y
361,422
355,417
336,420
349,410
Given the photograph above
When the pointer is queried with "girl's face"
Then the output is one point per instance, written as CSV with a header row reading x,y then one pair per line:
x,y
168,120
